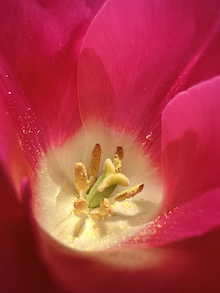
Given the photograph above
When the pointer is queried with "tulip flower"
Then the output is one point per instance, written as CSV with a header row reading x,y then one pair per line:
x,y
129,86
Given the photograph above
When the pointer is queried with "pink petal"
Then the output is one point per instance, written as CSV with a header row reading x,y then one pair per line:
x,y
20,268
39,43
193,218
11,154
191,143
190,265
8,139
137,55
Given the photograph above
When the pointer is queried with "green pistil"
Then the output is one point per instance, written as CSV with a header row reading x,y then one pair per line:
x,y
95,197
105,185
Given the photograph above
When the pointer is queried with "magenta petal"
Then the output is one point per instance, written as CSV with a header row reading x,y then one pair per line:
x,y
39,43
187,266
137,269
11,154
8,135
193,218
137,55
191,143
20,268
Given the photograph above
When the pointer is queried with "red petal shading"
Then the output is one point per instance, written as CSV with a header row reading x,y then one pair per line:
x,y
39,43
137,55
193,218
10,153
20,268
185,266
190,122
8,135
191,143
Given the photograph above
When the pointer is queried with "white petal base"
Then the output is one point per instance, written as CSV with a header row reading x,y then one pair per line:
x,y
56,191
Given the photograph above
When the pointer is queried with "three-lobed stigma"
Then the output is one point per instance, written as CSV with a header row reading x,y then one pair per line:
x,y
95,195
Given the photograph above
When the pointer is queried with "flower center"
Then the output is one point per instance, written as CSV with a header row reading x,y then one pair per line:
x,y
97,211
95,193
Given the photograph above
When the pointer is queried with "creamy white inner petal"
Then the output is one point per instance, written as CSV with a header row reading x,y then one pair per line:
x,y
54,208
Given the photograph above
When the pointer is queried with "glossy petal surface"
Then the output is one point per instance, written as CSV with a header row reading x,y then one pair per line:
x,y
176,265
191,170
34,87
40,41
137,55
191,143
20,268
194,112
193,218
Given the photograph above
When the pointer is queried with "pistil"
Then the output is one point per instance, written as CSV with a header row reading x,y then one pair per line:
x,y
94,194
106,184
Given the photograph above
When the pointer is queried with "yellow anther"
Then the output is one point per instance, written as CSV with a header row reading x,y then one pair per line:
x,y
129,192
81,204
81,181
119,155
96,155
105,207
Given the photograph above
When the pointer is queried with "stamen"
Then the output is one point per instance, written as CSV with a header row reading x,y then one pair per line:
x,y
105,207
81,204
119,155
129,192
96,155
81,181
82,194
92,181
